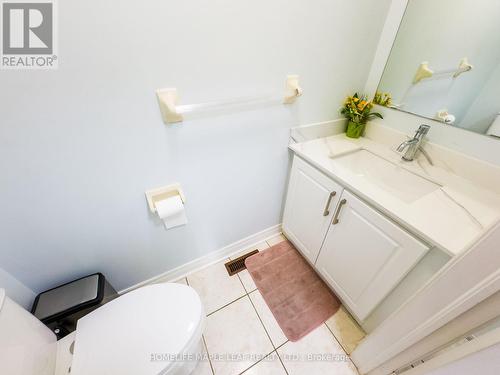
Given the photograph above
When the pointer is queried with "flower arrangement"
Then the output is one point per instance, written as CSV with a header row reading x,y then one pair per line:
x,y
357,109
384,99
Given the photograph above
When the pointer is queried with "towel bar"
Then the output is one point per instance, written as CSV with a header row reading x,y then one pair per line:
x,y
172,112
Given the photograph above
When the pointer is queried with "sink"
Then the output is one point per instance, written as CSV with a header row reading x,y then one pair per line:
x,y
388,176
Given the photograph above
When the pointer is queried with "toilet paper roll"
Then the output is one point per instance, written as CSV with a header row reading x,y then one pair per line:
x,y
171,211
449,119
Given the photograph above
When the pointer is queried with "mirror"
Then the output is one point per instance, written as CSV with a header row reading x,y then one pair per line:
x,y
445,64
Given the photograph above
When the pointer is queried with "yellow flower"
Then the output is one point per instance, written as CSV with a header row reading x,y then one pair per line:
x,y
363,104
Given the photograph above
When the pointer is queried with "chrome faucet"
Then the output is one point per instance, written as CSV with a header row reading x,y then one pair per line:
x,y
413,144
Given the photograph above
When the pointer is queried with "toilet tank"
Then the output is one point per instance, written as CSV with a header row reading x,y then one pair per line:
x,y
27,347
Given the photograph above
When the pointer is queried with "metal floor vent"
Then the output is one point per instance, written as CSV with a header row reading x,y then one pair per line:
x,y
237,265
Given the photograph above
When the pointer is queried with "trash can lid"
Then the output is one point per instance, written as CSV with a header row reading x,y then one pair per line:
x,y
66,299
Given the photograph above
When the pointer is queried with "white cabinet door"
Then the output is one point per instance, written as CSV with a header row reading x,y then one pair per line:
x,y
311,200
365,255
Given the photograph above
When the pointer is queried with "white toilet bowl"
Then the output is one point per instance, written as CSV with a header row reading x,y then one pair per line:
x,y
152,330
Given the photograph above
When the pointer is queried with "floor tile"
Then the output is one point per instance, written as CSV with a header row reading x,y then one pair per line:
x,y
267,317
347,332
203,367
276,239
271,365
235,338
247,281
244,275
316,353
215,287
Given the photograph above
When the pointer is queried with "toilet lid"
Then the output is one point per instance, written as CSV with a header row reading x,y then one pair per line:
x,y
138,333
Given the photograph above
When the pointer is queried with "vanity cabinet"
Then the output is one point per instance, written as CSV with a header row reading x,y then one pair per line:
x,y
311,200
358,251
365,255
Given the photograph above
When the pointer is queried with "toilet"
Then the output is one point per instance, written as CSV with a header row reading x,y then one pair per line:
x,y
156,329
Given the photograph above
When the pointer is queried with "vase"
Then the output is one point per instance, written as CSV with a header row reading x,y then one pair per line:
x,y
355,129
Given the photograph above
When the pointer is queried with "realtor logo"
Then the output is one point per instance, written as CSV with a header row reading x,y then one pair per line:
x,y
28,35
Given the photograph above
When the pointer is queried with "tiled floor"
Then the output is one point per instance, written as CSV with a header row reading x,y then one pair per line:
x,y
345,329
242,336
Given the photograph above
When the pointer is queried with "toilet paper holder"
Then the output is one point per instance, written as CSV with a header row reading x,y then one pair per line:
x,y
161,193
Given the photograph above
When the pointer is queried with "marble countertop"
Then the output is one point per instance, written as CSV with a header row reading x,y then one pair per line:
x,y
453,216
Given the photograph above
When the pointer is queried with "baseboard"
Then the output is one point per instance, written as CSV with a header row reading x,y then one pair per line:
x,y
210,258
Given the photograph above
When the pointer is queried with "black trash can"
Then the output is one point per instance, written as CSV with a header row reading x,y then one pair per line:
x,y
61,307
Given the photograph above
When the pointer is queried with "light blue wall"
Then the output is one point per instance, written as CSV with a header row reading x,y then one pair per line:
x,y
79,146
485,107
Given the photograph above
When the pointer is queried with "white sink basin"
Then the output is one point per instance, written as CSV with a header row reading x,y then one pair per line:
x,y
390,177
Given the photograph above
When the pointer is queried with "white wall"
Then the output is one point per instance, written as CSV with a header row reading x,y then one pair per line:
x,y
484,362
442,33
80,145
16,290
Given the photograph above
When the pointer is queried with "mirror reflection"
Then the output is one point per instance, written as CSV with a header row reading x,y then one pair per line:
x,y
444,64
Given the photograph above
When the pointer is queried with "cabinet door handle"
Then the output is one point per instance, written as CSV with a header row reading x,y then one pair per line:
x,y
326,212
336,217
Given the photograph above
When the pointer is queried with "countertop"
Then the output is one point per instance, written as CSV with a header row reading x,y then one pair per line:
x,y
452,217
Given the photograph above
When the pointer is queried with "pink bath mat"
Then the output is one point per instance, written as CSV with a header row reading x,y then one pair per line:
x,y
299,300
